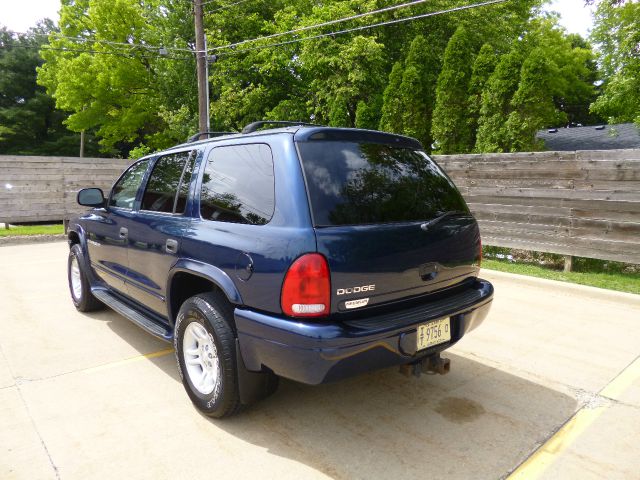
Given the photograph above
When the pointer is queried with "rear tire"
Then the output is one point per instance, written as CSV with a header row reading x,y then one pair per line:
x,y
79,286
204,343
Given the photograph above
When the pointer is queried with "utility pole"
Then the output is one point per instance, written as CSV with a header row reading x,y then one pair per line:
x,y
202,67
82,144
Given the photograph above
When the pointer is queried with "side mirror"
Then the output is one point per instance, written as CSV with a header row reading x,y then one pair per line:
x,y
91,197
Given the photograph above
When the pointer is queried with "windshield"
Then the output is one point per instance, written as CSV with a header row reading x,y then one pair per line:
x,y
354,183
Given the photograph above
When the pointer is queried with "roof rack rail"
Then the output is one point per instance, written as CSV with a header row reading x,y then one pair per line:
x,y
252,127
196,137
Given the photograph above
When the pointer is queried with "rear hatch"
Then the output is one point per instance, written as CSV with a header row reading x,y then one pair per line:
x,y
390,222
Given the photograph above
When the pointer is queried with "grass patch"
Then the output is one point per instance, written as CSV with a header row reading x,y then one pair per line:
x,y
21,230
622,282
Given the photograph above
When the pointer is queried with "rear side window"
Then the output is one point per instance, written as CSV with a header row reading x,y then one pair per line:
x,y
124,192
352,183
238,185
171,175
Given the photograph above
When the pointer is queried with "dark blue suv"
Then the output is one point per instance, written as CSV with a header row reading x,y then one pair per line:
x,y
307,252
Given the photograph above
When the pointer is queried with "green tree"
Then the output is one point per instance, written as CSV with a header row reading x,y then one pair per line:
x,y
414,107
368,113
418,90
345,74
532,103
410,94
496,103
450,130
29,121
135,97
577,103
100,70
545,80
617,34
483,66
391,120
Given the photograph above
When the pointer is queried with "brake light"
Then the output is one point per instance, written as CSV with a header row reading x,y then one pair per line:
x,y
306,290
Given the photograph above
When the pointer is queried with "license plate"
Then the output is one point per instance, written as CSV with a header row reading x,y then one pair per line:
x,y
433,333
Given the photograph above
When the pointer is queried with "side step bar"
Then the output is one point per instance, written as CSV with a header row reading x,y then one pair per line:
x,y
145,322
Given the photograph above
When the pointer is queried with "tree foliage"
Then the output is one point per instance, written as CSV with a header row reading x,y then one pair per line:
x,y
410,94
617,33
129,93
492,135
532,103
29,122
391,120
483,66
450,129
420,78
545,80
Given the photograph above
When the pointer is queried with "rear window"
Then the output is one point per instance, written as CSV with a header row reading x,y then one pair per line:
x,y
353,183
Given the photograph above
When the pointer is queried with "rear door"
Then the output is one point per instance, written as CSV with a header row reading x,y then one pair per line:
x,y
391,224
155,237
107,229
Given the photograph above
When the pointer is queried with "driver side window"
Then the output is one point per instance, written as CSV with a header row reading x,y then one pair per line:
x,y
125,190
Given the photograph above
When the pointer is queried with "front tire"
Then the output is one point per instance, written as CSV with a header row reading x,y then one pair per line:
x,y
79,286
204,343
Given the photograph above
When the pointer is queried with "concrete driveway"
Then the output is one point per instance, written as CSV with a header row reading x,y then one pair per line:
x,y
548,387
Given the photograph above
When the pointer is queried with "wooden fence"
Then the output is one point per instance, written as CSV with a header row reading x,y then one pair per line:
x,y
34,189
584,203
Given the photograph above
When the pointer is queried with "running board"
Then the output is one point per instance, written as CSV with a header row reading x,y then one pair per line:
x,y
143,321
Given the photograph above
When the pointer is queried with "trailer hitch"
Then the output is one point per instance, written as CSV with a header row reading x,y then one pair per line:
x,y
429,365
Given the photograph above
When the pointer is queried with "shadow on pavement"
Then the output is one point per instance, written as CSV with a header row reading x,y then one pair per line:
x,y
476,422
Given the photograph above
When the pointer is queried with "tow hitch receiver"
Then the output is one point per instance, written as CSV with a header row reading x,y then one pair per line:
x,y
429,365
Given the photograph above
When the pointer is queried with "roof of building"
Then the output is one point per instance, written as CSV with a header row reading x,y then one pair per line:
x,y
595,137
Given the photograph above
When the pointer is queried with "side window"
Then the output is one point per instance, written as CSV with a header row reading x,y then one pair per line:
x,y
183,191
170,174
124,191
238,185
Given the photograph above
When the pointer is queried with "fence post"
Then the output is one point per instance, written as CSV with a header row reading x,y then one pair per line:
x,y
568,263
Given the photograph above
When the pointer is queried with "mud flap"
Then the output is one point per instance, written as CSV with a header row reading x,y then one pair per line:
x,y
252,386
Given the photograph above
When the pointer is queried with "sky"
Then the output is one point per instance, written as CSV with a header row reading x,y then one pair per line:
x,y
22,14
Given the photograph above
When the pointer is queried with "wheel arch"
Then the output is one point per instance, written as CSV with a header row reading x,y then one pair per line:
x,y
73,237
189,277
76,236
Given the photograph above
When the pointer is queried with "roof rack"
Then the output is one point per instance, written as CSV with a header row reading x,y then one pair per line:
x,y
252,127
196,137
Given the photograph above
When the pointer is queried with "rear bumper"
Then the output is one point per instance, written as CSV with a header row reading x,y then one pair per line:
x,y
314,352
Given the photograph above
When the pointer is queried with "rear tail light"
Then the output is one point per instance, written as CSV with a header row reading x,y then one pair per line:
x,y
306,290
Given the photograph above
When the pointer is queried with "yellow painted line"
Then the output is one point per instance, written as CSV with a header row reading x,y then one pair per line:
x,y
542,458
548,453
622,382
126,361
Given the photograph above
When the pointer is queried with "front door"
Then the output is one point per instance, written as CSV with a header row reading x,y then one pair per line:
x,y
107,229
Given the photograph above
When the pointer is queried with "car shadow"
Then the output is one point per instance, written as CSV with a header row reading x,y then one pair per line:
x,y
476,422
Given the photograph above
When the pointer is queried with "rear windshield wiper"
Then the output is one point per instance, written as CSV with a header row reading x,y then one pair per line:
x,y
452,213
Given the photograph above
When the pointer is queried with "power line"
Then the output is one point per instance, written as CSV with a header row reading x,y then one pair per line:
x,y
96,52
324,24
106,42
365,27
223,7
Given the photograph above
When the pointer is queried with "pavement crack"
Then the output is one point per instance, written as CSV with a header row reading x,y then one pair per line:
x,y
17,381
35,427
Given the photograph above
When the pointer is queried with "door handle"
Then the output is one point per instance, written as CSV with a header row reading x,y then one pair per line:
x,y
171,246
124,232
